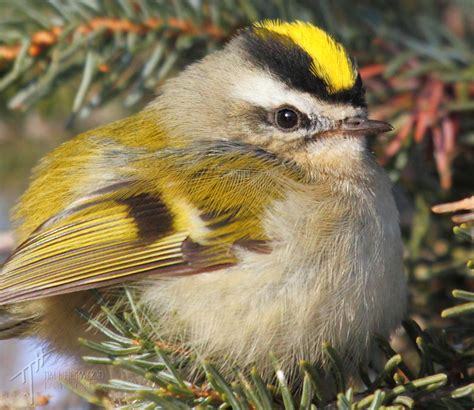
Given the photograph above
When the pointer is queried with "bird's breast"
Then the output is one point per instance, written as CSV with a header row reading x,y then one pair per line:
x,y
334,274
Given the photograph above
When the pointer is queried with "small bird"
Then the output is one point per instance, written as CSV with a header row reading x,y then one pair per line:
x,y
242,206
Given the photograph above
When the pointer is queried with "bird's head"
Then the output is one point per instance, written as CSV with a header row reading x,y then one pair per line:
x,y
287,88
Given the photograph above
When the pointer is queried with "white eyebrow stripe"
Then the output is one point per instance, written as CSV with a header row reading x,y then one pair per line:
x,y
263,90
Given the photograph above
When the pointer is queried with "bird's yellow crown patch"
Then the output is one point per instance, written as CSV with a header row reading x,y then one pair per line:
x,y
329,59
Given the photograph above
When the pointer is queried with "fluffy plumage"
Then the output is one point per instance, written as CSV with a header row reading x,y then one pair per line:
x,y
239,235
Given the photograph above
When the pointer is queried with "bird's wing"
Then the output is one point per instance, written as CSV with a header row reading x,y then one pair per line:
x,y
112,235
179,216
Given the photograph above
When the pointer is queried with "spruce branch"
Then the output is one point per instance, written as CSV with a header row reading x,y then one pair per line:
x,y
164,384
465,232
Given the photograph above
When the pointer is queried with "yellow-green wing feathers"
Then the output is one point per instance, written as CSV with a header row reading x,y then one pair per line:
x,y
160,210
98,243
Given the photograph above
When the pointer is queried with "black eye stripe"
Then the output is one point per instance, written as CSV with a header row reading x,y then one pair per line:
x,y
291,64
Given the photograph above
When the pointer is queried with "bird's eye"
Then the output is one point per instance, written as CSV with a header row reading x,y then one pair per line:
x,y
287,118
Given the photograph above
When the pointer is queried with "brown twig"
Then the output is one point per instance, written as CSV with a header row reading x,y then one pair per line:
x,y
43,40
466,204
171,348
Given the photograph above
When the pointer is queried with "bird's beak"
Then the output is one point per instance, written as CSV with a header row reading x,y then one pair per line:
x,y
364,126
357,126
